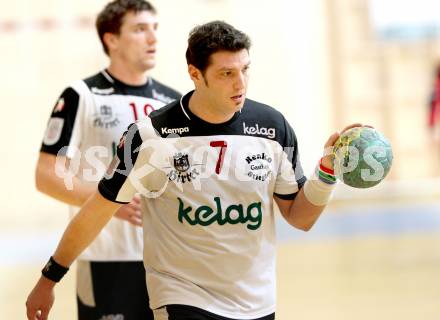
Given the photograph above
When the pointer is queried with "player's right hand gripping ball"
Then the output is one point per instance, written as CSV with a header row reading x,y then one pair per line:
x,y
363,157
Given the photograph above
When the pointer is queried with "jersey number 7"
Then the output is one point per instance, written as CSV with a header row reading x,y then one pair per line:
x,y
222,145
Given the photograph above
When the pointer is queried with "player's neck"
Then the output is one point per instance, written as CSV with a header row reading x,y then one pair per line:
x,y
128,75
202,108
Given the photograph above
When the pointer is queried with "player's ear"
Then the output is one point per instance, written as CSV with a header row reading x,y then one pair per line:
x,y
111,41
194,73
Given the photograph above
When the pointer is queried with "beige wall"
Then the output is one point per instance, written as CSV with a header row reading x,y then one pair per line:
x,y
386,84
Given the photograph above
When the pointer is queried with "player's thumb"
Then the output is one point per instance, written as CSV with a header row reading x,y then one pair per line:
x,y
331,140
31,313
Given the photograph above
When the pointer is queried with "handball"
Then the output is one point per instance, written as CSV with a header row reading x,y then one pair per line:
x,y
363,157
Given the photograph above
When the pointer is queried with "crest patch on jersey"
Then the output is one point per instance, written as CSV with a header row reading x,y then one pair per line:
x,y
181,162
59,106
182,170
53,131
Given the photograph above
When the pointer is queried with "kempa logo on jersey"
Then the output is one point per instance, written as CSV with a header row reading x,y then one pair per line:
x,y
260,166
161,97
107,91
183,171
251,215
112,317
268,132
174,130
105,118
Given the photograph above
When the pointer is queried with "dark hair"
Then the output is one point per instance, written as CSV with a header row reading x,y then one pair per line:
x,y
209,38
110,18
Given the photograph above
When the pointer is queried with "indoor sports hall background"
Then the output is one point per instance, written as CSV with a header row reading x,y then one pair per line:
x,y
324,63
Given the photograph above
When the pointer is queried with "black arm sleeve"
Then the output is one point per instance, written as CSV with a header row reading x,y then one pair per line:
x,y
61,122
114,186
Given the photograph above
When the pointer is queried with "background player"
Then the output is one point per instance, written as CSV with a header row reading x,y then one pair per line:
x,y
82,135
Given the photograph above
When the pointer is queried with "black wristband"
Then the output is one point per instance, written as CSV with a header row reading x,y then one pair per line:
x,y
53,270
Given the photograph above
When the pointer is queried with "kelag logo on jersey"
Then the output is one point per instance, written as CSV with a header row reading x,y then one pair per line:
x,y
183,171
260,167
251,215
257,130
105,118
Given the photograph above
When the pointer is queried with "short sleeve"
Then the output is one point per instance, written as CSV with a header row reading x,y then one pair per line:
x,y
116,184
290,177
61,124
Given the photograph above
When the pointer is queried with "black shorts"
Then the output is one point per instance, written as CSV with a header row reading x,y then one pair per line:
x,y
112,290
183,312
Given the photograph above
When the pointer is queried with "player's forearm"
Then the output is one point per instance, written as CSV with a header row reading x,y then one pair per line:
x,y
302,213
84,228
54,187
45,283
48,182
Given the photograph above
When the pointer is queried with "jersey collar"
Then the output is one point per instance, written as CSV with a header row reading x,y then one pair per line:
x,y
184,100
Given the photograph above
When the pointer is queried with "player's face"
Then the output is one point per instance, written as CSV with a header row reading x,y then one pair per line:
x,y
136,42
225,80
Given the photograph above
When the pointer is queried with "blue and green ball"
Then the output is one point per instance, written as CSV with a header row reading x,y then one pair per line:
x,y
363,157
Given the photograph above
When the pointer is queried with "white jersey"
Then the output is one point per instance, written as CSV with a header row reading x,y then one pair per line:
x,y
86,125
207,200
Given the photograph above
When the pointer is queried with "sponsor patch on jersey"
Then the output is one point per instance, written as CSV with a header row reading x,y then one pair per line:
x,y
179,131
257,130
259,166
105,118
250,215
53,131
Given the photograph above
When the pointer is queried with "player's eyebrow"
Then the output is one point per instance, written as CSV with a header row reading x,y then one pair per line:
x,y
146,24
233,68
